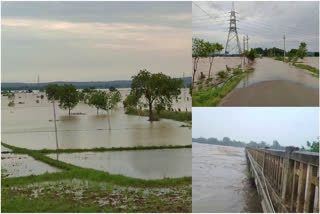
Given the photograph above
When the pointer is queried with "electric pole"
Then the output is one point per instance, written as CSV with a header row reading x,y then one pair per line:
x,y
233,33
247,42
244,51
284,47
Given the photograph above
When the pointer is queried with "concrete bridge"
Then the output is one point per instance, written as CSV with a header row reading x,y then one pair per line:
x,y
287,181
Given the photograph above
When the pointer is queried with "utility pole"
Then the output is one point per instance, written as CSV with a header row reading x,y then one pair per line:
x,y
244,50
247,42
233,33
55,128
284,47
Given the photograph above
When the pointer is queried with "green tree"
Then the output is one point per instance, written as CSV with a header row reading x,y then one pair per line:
x,y
155,88
302,51
198,50
97,99
69,97
211,49
314,146
251,55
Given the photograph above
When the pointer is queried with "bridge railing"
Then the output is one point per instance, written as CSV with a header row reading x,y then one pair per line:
x,y
292,176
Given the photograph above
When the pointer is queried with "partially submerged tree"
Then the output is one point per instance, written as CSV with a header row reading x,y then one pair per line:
x,y
69,97
155,88
211,49
198,50
302,51
97,99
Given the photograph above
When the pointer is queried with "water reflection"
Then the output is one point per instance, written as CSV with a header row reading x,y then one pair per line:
x,y
30,125
146,164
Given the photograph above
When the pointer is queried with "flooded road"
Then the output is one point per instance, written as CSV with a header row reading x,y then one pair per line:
x,y
30,125
166,163
219,180
274,83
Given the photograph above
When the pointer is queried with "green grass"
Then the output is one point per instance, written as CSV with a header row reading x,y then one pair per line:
x,y
212,97
315,71
181,116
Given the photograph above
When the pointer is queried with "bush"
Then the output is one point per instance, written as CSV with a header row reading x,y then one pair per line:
x,y
222,75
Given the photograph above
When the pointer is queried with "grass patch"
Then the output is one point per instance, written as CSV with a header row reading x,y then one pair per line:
x,y
212,97
181,116
315,71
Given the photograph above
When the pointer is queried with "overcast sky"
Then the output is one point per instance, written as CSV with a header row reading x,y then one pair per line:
x,y
264,22
290,126
84,41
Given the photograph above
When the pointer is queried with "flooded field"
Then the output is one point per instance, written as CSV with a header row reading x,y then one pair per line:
x,y
166,163
274,83
219,180
16,165
311,61
30,125
219,64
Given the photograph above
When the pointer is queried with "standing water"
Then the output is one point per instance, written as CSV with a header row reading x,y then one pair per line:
x,y
220,182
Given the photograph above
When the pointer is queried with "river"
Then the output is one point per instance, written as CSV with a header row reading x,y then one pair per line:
x,y
219,180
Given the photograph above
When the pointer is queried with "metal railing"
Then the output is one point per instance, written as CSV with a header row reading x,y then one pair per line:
x,y
292,178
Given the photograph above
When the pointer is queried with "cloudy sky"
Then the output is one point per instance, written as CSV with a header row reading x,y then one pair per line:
x,y
84,41
290,126
264,22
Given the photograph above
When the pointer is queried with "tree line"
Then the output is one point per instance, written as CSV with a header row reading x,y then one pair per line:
x,y
226,141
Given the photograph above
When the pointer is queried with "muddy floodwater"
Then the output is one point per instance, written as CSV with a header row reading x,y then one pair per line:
x,y
30,125
274,83
16,165
219,180
145,164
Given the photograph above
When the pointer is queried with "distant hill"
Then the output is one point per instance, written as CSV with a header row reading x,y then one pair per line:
x,y
228,142
79,85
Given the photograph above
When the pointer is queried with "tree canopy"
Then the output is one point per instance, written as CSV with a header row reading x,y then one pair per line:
x,y
69,97
155,88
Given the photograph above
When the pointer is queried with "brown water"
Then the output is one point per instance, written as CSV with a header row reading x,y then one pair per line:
x,y
267,69
16,165
170,163
219,180
30,125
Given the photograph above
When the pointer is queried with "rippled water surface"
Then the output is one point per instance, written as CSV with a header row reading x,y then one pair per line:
x,y
30,125
146,164
219,180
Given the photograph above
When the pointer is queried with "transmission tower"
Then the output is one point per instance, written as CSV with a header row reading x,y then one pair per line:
x,y
233,33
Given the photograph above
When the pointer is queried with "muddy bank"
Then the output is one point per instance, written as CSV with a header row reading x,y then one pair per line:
x,y
272,93
311,61
219,180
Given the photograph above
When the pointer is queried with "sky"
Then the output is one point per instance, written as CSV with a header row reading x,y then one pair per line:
x,y
289,125
264,22
89,41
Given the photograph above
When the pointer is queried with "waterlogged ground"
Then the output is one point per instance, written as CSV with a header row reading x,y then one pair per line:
x,y
219,180
16,165
311,61
30,125
145,164
274,83
88,196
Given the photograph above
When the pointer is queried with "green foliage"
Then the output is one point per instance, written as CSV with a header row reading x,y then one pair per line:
x,y
221,75
97,99
302,51
237,71
251,55
212,97
68,97
314,146
53,92
172,115
155,88
200,48
315,71
11,103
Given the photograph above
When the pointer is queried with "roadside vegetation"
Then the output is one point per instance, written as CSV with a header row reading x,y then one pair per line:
x,y
209,91
294,55
78,189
